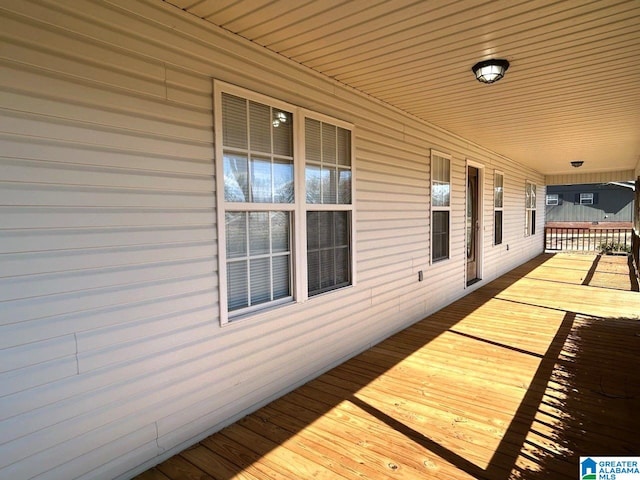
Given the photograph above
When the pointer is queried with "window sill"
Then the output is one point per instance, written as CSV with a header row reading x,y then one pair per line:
x,y
278,311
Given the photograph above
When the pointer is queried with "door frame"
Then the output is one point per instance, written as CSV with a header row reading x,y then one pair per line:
x,y
481,223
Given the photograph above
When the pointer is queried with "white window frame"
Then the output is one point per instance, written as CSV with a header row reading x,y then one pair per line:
x,y
586,198
498,208
441,208
530,207
298,209
552,199
322,207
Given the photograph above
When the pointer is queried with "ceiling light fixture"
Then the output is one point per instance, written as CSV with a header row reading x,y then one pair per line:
x,y
490,71
577,163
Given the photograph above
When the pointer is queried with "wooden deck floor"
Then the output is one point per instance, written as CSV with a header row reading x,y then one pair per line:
x,y
516,380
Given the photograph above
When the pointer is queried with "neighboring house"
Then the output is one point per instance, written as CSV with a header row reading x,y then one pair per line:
x,y
602,203
161,279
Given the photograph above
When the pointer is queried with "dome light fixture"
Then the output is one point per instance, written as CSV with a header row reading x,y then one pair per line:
x,y
490,71
577,163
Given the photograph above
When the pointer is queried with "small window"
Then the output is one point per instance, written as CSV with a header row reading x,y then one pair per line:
x,y
553,199
440,206
498,202
530,209
586,199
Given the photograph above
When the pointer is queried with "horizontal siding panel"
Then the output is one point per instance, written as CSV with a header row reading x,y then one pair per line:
x,y
161,119
64,452
189,89
389,232
410,200
383,243
394,204
35,375
21,332
383,156
28,240
30,286
391,292
371,225
369,273
29,194
69,260
25,90
52,173
36,353
39,441
88,400
122,334
382,214
374,260
20,51
78,153
42,127
388,176
154,344
382,188
74,217
33,42
60,304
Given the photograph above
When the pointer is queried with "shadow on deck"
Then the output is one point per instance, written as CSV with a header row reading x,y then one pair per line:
x,y
516,380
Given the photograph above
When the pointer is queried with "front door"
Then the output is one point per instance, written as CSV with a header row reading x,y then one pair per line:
x,y
473,225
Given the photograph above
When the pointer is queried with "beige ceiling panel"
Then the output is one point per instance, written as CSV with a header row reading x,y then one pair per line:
x,y
573,88
448,37
461,44
205,8
380,30
280,26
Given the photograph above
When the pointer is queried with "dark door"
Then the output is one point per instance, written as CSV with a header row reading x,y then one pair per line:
x,y
473,225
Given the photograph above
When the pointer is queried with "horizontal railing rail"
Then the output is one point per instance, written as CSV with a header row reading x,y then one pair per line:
x,y
581,239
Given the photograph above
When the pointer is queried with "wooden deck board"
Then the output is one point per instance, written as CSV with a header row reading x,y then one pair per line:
x,y
516,380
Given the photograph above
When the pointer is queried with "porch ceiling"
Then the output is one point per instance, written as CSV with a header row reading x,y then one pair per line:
x,y
572,91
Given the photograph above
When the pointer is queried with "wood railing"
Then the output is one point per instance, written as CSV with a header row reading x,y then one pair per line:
x,y
606,240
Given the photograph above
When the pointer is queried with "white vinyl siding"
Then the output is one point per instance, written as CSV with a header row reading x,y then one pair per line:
x,y
111,348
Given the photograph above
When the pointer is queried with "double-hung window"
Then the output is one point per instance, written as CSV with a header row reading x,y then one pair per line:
x,y
328,205
552,199
285,216
440,206
498,205
530,209
586,199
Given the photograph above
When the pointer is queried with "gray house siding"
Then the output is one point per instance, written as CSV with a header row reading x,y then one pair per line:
x,y
611,203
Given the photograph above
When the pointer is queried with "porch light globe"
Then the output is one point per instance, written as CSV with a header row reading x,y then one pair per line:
x,y
490,71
